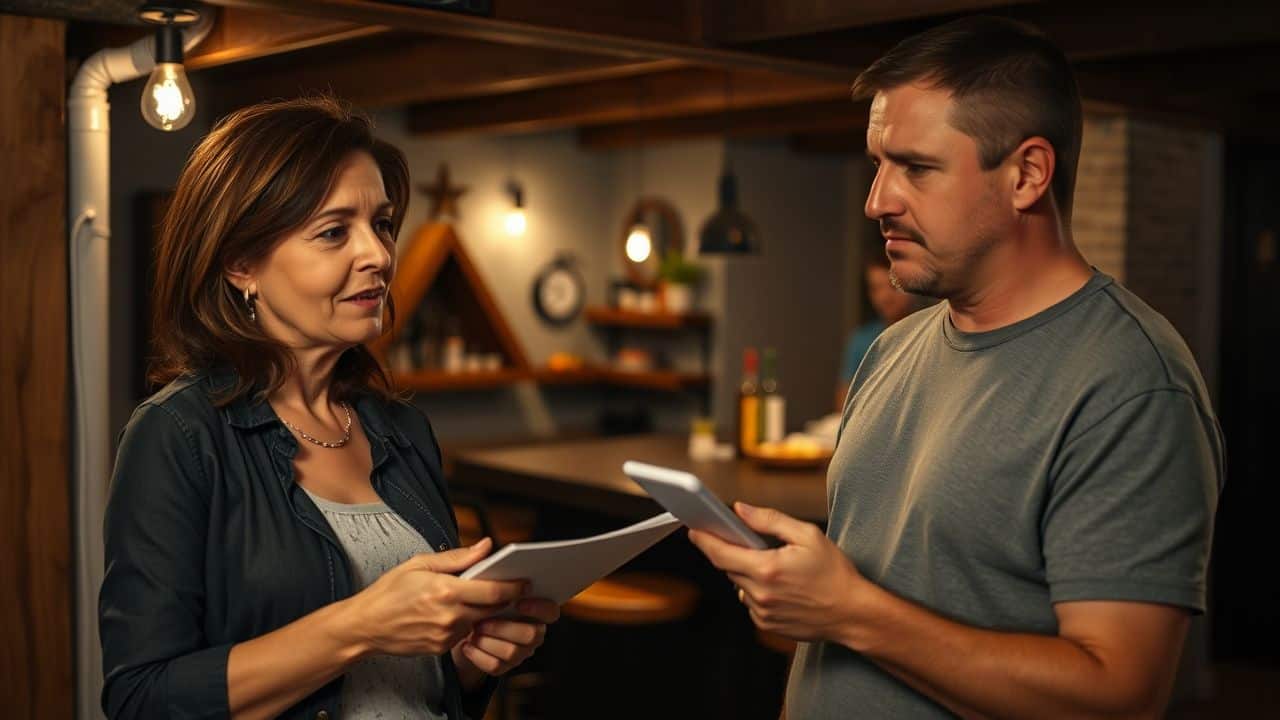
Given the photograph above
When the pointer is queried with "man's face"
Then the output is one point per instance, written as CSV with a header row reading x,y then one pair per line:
x,y
939,212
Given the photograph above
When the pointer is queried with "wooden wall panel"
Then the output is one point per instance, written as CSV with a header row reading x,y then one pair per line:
x,y
36,677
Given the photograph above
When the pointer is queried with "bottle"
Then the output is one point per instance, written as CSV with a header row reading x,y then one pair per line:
x,y
749,404
773,410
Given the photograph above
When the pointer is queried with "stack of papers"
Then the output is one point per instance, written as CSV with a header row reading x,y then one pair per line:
x,y
560,569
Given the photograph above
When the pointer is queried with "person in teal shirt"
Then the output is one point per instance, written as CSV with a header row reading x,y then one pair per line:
x,y
888,305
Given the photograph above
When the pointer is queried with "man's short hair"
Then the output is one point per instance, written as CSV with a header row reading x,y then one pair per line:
x,y
1009,83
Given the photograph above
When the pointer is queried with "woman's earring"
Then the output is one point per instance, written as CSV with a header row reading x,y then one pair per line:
x,y
248,302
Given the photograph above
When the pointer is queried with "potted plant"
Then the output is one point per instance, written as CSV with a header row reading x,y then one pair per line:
x,y
680,281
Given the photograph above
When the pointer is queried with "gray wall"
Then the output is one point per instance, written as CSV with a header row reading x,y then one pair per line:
x,y
792,296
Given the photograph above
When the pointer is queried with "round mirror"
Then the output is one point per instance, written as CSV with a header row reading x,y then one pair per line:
x,y
650,231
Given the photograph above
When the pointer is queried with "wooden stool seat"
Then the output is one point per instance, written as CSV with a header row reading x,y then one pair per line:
x,y
509,523
775,642
634,599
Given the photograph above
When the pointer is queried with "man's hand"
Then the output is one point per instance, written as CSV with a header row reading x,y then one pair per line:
x,y
805,590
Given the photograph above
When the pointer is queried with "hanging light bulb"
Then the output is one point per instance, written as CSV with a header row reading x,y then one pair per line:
x,y
167,100
515,221
639,243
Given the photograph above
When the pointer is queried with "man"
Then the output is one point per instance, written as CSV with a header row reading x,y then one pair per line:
x,y
1022,496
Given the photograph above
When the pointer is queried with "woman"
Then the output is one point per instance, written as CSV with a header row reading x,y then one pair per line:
x,y
278,537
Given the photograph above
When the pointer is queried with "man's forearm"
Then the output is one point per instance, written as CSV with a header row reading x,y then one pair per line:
x,y
983,673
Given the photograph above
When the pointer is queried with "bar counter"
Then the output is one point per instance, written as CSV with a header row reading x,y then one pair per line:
x,y
587,474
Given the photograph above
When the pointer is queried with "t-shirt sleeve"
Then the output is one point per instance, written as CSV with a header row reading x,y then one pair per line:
x,y
1131,506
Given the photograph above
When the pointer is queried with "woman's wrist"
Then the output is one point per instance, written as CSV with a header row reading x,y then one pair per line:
x,y
345,627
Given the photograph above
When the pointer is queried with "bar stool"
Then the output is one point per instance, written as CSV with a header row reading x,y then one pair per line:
x,y
620,635
634,598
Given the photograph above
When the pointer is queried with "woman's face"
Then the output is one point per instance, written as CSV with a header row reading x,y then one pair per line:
x,y
325,283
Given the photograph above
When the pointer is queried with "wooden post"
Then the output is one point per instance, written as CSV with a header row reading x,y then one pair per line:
x,y
36,678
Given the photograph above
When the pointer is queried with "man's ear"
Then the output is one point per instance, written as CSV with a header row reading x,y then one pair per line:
x,y
1035,162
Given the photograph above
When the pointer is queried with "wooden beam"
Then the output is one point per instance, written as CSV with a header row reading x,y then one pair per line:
x,y
654,29
1085,31
240,34
403,69
842,116
36,667
237,35
730,22
659,95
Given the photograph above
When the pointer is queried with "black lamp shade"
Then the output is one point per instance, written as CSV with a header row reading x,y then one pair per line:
x,y
729,231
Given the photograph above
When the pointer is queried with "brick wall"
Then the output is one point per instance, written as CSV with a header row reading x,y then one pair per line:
x,y
1142,216
1164,251
1102,193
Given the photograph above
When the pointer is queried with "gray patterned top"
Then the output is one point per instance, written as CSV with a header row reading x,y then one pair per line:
x,y
383,687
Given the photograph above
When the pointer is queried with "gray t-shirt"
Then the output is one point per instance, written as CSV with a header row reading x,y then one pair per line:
x,y
1070,456
383,687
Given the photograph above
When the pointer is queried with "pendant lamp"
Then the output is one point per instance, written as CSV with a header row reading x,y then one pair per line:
x,y
728,231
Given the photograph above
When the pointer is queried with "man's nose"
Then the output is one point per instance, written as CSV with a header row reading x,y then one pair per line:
x,y
881,200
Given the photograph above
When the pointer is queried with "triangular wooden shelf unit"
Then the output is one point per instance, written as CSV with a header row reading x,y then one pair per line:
x,y
435,268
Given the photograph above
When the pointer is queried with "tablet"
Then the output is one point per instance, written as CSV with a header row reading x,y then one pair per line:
x,y
684,496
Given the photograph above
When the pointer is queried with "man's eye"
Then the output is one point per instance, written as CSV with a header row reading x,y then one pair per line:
x,y
916,170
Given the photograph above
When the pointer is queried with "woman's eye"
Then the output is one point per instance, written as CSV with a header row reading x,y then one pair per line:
x,y
384,225
337,232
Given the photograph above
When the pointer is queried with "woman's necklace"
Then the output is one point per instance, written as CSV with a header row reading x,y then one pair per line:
x,y
346,432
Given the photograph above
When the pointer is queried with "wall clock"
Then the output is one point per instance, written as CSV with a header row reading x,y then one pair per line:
x,y
559,291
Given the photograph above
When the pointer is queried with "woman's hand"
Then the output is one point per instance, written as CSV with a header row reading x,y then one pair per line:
x,y
420,608
497,645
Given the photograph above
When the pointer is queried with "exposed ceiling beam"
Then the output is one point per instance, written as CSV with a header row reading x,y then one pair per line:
x,y
103,11
241,34
839,116
237,35
1084,30
653,29
1184,78
404,69
730,22
664,94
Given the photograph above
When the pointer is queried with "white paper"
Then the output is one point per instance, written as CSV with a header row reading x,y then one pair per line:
x,y
560,569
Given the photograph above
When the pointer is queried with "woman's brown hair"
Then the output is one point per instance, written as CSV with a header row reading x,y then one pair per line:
x,y
261,173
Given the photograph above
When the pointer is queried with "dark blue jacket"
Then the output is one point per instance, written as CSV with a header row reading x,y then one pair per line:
x,y
209,542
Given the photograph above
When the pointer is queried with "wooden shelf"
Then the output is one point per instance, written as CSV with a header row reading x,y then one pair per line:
x,y
655,380
611,317
665,380
438,380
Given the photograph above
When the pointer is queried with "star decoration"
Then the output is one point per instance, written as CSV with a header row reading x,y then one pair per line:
x,y
443,196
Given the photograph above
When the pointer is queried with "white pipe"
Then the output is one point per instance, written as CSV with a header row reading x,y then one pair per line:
x,y
89,217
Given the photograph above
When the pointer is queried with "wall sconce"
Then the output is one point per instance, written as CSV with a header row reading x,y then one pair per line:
x,y
639,243
515,221
167,100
